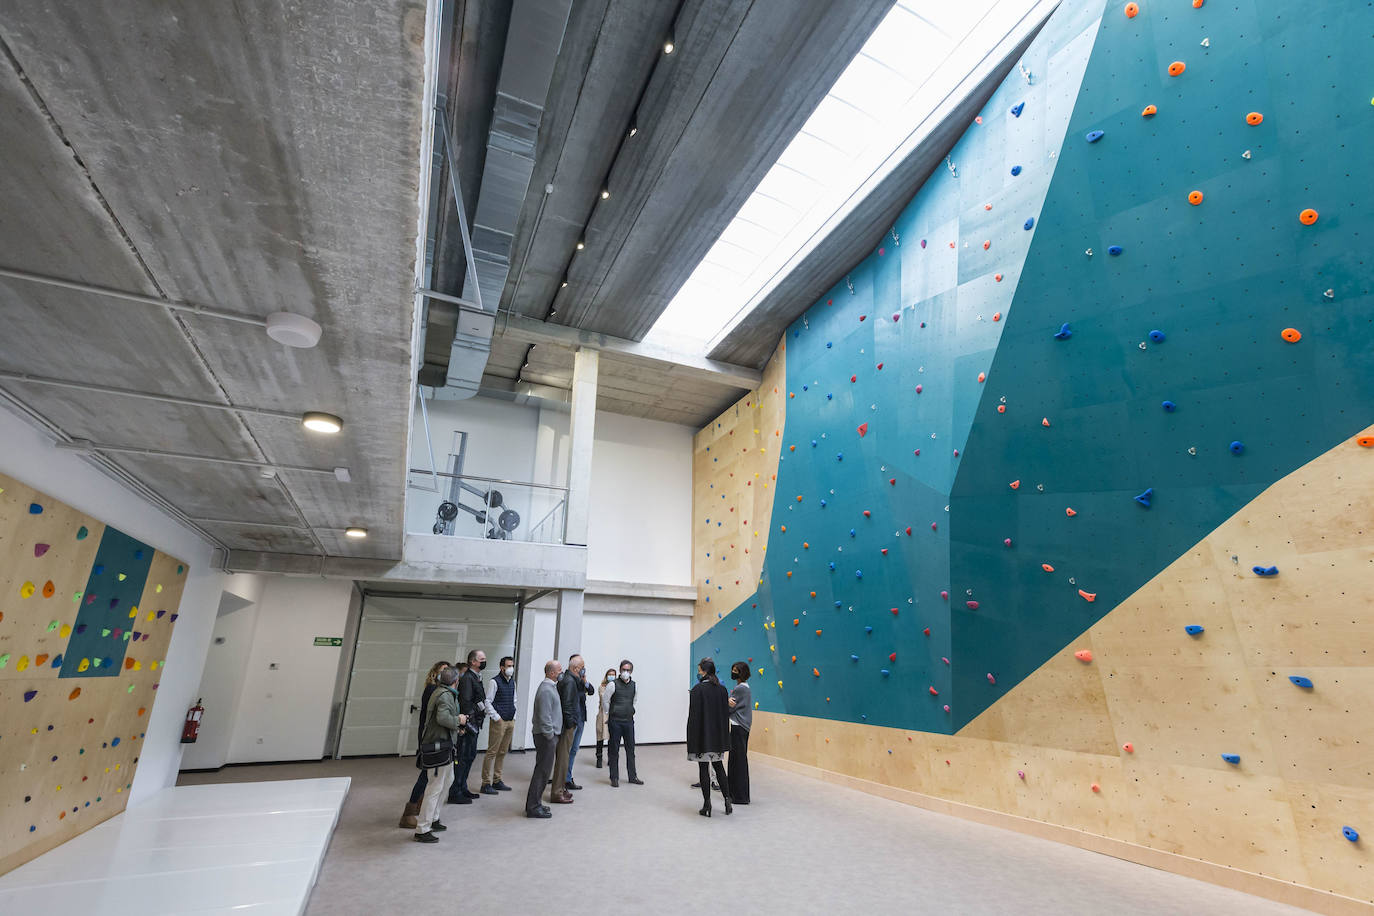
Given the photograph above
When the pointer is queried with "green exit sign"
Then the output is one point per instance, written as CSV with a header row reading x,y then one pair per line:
x,y
329,640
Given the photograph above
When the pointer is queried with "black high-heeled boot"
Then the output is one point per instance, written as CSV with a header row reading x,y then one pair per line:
x,y
599,746
705,810
729,808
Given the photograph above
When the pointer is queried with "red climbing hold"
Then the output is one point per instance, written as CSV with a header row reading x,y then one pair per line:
x,y
1087,596
926,631
892,656
982,376
862,317
892,481
972,605
935,693
1096,787
918,389
853,378
884,551
894,612
863,430
997,277
933,526
1070,513
987,245
996,316
1001,408
1015,485
867,514
944,595
1047,567
880,367
908,530
1084,655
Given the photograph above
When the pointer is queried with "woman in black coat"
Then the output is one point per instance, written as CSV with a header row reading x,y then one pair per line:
x,y
708,732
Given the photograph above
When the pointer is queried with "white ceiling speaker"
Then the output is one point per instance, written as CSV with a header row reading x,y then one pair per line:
x,y
293,330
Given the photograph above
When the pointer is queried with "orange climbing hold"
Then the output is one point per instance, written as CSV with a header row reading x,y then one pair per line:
x,y
1194,197
982,376
1307,217
1047,567
816,672
1087,596
1254,118
1292,335
1070,513
74,694
1001,408
1015,484
1128,747
987,243
1365,441
796,621
818,632
1096,787
1084,655
799,499
1197,4
813,594
49,589
863,430
1149,111
794,659
1132,9
1177,67
40,658
996,316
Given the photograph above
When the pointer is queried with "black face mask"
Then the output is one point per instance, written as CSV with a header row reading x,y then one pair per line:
x,y
482,667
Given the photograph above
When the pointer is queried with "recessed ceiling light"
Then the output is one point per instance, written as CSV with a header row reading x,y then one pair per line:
x,y
355,532
321,422
563,285
634,129
605,193
293,330
668,45
581,243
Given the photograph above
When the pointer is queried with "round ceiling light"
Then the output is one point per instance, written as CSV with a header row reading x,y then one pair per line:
x,y
293,330
355,532
321,422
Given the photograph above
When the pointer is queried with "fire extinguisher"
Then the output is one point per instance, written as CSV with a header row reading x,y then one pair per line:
x,y
192,727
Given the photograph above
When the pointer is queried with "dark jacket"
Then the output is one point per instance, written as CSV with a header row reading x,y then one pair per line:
x,y
572,693
708,719
441,717
470,693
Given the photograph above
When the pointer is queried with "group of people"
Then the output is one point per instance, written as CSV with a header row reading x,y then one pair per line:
x,y
456,703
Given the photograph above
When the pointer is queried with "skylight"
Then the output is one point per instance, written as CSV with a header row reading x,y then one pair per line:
x,y
905,72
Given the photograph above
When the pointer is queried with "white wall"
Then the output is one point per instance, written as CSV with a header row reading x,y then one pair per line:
x,y
641,525
221,682
284,711
660,647
28,455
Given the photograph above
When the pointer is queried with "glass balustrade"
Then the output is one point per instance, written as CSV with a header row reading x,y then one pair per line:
x,y
484,507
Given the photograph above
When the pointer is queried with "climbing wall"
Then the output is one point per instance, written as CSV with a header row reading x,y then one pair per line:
x,y
1134,300
86,615
734,469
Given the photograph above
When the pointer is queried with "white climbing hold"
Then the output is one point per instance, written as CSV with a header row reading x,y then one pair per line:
x,y
1206,42
1330,294
1245,155
1088,252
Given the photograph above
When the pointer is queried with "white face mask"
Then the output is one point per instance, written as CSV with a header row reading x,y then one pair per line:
x,y
625,676
508,672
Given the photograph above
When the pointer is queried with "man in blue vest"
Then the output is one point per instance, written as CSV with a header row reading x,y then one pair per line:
x,y
618,703
501,703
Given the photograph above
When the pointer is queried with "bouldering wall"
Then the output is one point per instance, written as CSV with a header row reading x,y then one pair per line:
x,y
86,615
1108,373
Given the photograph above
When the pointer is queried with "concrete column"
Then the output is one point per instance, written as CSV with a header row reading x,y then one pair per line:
x,y
580,437
567,632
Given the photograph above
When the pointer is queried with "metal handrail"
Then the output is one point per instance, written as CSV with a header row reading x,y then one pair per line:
x,y
510,483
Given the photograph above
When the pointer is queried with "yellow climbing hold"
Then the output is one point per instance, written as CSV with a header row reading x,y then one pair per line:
x,y
122,577
85,665
65,631
26,590
22,663
159,589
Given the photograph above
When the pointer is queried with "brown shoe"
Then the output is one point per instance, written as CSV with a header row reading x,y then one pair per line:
x,y
409,815
563,798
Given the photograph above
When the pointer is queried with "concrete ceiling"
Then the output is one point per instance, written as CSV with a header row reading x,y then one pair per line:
x,y
255,157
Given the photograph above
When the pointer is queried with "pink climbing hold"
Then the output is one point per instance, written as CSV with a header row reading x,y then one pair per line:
x,y
1044,421
991,679
1128,747
1020,774
1015,484
896,316
972,605
39,549
1006,541
932,526
918,389
956,453
1084,655
863,430
944,595
944,659
946,710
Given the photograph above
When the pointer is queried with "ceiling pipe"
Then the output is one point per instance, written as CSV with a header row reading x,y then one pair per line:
x,y
87,447
169,304
26,378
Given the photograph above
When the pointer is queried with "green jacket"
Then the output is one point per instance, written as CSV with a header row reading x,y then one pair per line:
x,y
441,718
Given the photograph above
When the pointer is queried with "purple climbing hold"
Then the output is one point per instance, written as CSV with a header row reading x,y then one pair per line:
x,y
29,695
39,549
160,613
173,618
114,603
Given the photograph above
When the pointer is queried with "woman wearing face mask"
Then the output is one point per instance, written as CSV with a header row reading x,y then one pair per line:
x,y
413,806
741,719
708,732
608,678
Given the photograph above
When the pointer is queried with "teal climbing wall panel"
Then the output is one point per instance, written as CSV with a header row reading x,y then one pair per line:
x,y
967,286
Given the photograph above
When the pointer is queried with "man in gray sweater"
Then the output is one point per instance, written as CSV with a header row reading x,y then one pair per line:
x,y
547,724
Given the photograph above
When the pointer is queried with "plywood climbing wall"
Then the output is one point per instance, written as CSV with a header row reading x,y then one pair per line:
x,y
734,469
86,615
1133,303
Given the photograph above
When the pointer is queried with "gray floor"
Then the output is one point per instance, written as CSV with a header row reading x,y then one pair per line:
x,y
803,847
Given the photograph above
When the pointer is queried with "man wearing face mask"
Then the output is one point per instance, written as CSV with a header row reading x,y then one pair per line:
x,y
618,705
501,706
574,714
472,702
585,690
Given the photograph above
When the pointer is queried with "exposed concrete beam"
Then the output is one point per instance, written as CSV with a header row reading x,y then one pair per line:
x,y
684,364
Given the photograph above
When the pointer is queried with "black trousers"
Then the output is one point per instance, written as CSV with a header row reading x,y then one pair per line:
x,y
622,731
739,765
462,766
545,746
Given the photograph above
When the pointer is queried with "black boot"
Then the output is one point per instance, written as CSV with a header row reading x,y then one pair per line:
x,y
728,807
600,745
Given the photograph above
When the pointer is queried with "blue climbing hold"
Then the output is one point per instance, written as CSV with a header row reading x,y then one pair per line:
x,y
1144,498
1016,170
35,509
885,673
868,629
794,334
837,604
114,743
1300,681
1030,223
1094,135
813,443
805,388
839,456
138,554
822,504
1237,447
1265,570
98,569
832,566
1193,629
1113,250
1169,406
851,532
858,574
828,345
1231,758
1351,834
57,660
829,397
1063,333
1016,109
1157,336
853,658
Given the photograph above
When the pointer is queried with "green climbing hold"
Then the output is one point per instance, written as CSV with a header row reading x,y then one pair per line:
x,y
82,533
180,569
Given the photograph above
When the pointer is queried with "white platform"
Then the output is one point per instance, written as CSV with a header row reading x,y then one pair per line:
x,y
253,848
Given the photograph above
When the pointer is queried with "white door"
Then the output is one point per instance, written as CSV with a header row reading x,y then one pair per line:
x,y
389,667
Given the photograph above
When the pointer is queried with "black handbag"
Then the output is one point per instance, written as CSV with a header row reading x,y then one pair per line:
x,y
434,754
